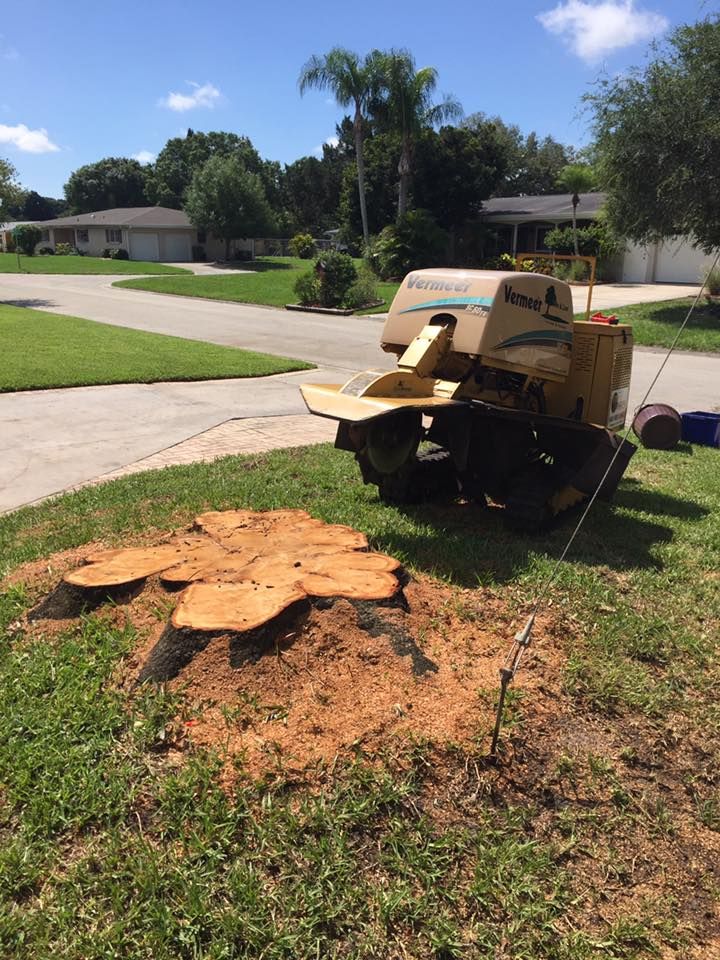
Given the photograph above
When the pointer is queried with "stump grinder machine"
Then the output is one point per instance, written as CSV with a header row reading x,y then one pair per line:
x,y
498,393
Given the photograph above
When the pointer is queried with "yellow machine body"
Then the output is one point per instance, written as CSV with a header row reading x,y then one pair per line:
x,y
503,346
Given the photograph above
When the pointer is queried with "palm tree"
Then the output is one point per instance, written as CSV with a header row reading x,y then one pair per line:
x,y
576,178
406,105
351,80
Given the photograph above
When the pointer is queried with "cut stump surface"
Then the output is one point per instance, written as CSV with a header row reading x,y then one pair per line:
x,y
242,569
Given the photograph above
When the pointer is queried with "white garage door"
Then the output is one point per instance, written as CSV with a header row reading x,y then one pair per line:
x,y
177,246
679,262
144,246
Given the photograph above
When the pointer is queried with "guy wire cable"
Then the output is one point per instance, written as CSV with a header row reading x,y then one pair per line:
x,y
523,638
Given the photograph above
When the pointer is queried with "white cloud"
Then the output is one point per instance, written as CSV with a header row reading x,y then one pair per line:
x,y
27,140
144,156
593,29
202,96
331,142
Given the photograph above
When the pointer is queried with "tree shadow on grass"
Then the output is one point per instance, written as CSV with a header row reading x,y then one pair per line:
x,y
706,316
30,302
261,266
470,544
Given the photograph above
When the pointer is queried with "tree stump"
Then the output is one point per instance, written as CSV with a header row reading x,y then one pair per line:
x,y
241,570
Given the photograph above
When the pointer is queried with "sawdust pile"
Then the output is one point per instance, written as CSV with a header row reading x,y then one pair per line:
x,y
342,676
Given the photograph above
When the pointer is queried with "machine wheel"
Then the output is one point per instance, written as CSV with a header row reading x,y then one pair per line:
x,y
391,442
527,508
429,475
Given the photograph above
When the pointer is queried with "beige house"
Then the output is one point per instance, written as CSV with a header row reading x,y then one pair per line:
x,y
147,233
521,224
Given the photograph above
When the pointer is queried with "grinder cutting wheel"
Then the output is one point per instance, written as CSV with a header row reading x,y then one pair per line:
x,y
497,393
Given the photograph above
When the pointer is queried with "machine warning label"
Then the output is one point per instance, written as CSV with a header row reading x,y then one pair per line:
x,y
617,410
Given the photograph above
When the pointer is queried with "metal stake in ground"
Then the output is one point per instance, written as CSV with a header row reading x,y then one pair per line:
x,y
507,672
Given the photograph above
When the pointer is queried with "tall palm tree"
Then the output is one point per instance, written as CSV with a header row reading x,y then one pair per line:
x,y
576,178
351,80
406,105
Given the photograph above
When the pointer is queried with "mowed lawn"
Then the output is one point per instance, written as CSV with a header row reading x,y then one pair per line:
x,y
270,281
70,265
656,324
272,278
43,350
596,837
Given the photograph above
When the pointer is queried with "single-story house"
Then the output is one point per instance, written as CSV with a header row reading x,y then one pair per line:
x,y
523,222
147,233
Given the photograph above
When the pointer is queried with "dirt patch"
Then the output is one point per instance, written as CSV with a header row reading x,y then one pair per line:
x,y
345,678
332,678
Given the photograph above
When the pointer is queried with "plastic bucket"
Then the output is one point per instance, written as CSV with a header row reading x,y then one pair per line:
x,y
701,427
658,426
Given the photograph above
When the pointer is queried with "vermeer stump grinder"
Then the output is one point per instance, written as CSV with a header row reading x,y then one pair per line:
x,y
498,394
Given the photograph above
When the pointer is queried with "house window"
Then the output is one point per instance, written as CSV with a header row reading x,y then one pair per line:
x,y
45,236
202,236
81,236
113,236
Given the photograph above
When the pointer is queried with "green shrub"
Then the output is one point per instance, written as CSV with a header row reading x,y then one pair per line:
x,y
107,253
44,251
337,273
307,289
504,262
712,282
577,271
63,249
364,291
26,238
302,245
595,240
414,242
119,254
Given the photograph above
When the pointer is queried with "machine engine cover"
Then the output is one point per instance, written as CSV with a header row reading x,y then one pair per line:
x,y
521,321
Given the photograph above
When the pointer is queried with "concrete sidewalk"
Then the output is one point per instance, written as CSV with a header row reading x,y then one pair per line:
x,y
251,435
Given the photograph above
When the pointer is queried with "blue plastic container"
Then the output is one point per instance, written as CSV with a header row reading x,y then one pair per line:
x,y
701,427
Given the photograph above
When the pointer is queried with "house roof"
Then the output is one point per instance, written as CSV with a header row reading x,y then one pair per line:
x,y
123,217
553,207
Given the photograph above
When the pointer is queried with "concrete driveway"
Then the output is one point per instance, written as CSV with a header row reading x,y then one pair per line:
x,y
54,439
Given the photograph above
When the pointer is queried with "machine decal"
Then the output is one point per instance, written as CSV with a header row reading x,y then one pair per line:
x,y
457,302
536,338
535,303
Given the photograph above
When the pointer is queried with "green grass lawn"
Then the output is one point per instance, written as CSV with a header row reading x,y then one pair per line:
x,y
272,279
596,838
656,324
43,350
69,264
270,283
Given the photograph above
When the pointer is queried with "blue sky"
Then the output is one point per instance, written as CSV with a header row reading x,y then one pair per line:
x,y
84,81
